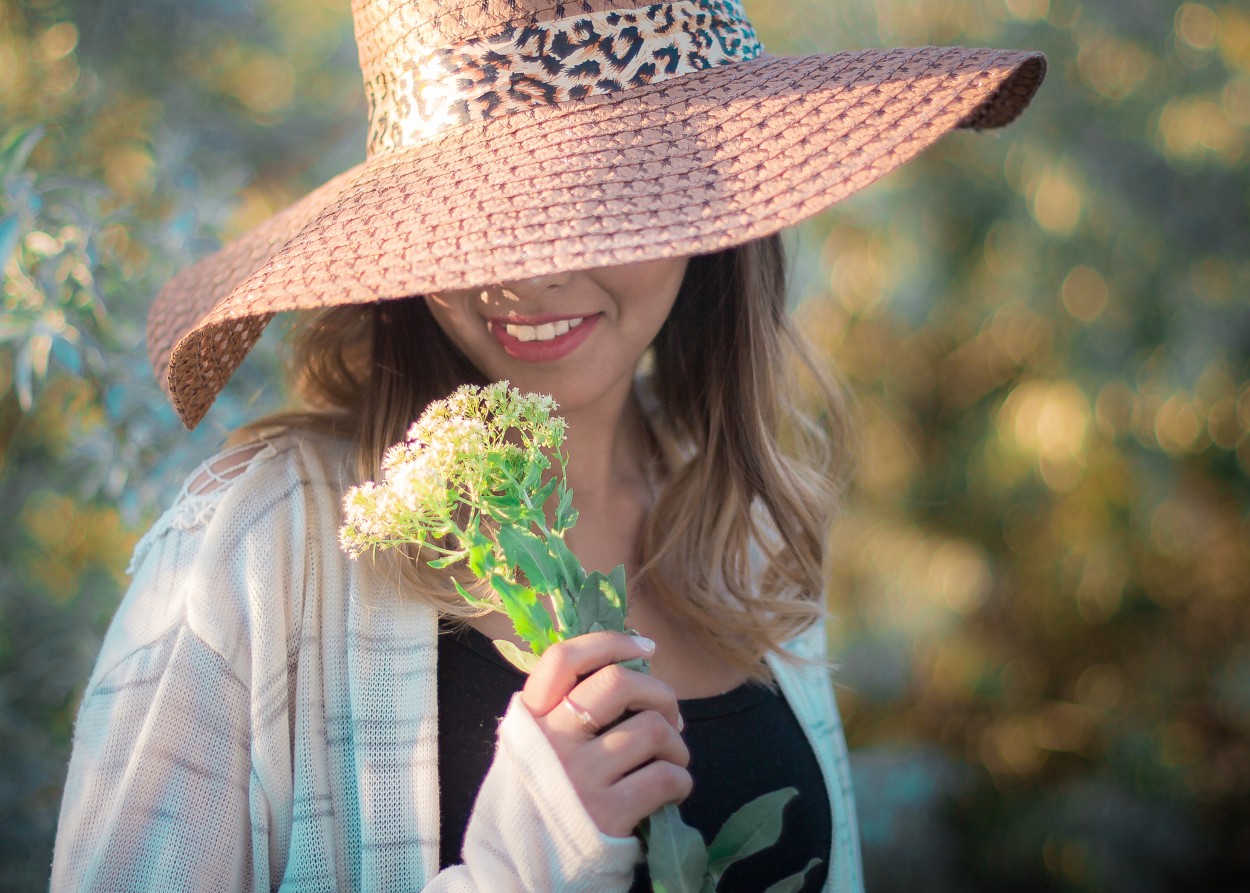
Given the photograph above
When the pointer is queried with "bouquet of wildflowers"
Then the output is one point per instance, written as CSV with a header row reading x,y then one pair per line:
x,y
480,481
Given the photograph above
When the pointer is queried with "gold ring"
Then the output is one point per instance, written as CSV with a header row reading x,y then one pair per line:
x,y
589,726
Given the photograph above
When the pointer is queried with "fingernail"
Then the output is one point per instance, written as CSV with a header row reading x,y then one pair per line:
x,y
681,723
644,643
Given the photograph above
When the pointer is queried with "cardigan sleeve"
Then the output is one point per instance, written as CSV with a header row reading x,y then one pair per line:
x,y
529,830
161,792
158,793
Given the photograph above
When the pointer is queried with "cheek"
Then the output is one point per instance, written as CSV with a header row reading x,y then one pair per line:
x,y
650,287
452,316
660,277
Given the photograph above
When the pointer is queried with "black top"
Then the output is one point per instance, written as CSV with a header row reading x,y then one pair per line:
x,y
744,743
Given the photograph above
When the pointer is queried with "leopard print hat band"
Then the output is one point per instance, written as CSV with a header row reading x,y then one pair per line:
x,y
416,93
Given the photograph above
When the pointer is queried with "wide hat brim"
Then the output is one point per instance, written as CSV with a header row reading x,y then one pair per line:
x,y
685,166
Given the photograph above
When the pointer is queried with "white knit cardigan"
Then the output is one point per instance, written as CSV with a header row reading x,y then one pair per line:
x,y
263,717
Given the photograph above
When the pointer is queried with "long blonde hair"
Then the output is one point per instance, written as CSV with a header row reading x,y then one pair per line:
x,y
733,547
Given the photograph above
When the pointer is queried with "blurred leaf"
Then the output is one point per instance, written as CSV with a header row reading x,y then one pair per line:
x,y
676,854
10,232
525,661
753,827
794,882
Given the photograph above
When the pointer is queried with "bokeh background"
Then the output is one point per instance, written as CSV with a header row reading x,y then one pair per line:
x,y
1042,578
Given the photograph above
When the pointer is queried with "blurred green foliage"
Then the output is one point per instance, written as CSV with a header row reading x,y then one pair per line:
x,y
1041,582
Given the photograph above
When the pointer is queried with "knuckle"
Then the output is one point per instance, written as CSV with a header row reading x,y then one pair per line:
x,y
558,658
653,726
674,781
613,675
681,754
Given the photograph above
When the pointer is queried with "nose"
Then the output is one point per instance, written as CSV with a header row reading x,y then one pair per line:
x,y
536,285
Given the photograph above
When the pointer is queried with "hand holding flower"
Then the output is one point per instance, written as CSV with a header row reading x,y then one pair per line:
x,y
474,483
629,760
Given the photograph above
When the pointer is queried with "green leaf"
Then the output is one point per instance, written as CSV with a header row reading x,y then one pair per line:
x,y
504,507
598,603
528,552
533,474
530,620
794,882
481,551
522,660
676,854
754,827
566,515
539,497
482,559
471,598
572,574
641,664
616,577
446,561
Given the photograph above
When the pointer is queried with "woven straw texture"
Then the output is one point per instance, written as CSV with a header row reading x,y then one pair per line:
x,y
689,165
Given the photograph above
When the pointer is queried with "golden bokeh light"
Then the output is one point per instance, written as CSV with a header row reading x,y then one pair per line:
x,y
1028,10
1056,200
1197,25
1085,293
1047,420
58,41
1114,66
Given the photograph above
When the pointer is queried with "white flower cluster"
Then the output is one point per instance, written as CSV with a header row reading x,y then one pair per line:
x,y
459,449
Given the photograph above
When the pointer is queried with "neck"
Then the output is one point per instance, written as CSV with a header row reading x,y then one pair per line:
x,y
607,449
606,446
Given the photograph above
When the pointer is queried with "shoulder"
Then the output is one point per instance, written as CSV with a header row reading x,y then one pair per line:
x,y
256,483
234,559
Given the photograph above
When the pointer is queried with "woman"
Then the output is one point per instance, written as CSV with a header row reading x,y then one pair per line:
x,y
554,196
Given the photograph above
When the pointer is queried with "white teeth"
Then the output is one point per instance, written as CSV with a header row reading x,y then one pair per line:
x,y
545,332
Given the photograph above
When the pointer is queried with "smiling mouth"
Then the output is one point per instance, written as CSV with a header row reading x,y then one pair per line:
x,y
545,332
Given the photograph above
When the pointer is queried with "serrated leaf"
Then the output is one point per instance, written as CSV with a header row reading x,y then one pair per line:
x,y
531,622
754,827
794,882
528,552
481,557
522,660
505,509
676,854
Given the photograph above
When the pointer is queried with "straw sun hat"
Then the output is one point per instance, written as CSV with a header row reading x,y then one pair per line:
x,y
515,138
